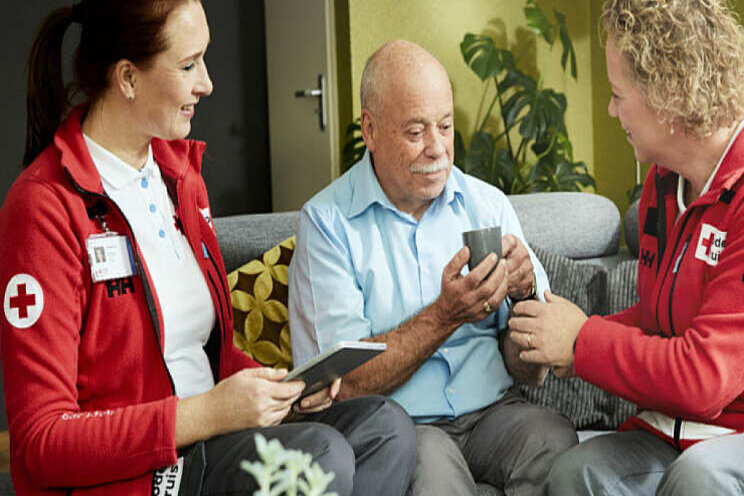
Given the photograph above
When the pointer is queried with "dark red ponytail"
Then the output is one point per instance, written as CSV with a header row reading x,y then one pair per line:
x,y
110,31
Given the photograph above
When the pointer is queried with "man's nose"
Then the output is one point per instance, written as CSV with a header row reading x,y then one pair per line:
x,y
434,144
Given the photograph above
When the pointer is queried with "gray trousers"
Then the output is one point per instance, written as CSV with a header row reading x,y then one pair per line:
x,y
638,463
510,445
369,443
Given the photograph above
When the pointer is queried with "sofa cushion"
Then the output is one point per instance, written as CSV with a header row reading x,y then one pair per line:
x,y
588,225
259,295
631,226
584,404
622,286
246,236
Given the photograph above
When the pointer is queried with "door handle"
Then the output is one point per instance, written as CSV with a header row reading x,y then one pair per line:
x,y
307,93
319,93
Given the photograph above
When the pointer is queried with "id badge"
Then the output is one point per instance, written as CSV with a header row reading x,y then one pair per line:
x,y
167,480
110,256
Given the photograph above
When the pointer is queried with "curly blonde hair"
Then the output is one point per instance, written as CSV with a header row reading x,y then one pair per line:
x,y
687,56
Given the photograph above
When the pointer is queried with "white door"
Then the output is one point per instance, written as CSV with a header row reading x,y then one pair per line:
x,y
301,77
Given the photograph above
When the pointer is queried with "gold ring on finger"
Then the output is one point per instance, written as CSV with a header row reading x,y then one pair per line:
x,y
487,307
529,341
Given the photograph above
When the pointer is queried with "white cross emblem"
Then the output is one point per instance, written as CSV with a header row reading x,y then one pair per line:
x,y
24,301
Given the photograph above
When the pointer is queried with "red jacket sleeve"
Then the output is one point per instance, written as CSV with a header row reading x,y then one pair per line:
x,y
631,316
694,374
51,438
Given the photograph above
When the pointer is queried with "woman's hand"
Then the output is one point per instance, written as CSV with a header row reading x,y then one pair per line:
x,y
319,400
254,398
547,331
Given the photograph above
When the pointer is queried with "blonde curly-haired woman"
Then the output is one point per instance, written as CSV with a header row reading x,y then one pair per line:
x,y
676,69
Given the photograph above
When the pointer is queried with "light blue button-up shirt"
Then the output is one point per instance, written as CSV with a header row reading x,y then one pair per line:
x,y
362,267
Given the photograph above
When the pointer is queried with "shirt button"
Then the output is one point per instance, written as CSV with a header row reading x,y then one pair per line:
x,y
446,350
153,208
144,182
161,233
425,270
451,390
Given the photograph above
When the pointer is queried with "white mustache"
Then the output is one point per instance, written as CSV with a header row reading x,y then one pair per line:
x,y
441,164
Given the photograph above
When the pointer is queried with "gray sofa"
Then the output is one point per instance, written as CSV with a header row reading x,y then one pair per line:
x,y
577,238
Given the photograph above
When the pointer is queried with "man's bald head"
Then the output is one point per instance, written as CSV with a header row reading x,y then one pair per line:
x,y
408,124
393,64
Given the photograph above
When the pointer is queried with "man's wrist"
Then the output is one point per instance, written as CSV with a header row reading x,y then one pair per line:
x,y
442,319
532,295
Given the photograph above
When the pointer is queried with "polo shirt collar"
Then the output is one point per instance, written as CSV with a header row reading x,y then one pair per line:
x,y
114,170
367,190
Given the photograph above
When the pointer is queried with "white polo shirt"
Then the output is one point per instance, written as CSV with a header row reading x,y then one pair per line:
x,y
185,302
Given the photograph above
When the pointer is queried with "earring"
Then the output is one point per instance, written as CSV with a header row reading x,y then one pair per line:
x,y
671,130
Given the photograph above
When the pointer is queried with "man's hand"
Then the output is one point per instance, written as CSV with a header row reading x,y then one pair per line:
x,y
319,400
547,331
519,264
472,297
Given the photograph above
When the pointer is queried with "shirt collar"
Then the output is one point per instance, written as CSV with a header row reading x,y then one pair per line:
x,y
366,189
681,180
114,170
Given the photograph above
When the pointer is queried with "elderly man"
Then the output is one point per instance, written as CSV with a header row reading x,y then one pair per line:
x,y
380,257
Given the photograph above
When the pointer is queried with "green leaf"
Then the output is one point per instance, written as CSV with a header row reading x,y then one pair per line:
x,y
538,22
482,56
506,173
460,150
478,158
561,175
514,105
546,110
568,49
634,193
354,148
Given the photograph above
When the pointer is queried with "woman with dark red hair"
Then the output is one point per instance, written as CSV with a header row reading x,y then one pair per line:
x,y
119,368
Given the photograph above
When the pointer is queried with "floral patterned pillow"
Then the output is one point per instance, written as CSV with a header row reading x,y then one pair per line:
x,y
259,294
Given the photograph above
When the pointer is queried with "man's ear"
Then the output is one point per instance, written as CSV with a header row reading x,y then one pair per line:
x,y
124,78
369,129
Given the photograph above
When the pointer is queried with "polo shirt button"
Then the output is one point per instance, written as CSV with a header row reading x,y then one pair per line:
x,y
153,208
446,350
451,390
161,233
144,182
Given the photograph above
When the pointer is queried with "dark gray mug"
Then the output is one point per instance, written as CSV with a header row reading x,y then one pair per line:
x,y
482,242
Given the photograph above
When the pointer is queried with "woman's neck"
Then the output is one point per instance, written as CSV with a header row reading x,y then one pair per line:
x,y
109,123
695,158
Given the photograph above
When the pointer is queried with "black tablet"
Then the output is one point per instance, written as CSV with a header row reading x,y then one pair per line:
x,y
331,364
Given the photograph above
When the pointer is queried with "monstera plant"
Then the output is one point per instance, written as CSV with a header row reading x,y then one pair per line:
x,y
513,99
521,102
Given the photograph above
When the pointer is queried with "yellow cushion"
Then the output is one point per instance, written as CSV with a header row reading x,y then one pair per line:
x,y
259,295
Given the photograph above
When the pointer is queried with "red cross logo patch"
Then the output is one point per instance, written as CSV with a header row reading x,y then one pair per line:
x,y
24,301
710,244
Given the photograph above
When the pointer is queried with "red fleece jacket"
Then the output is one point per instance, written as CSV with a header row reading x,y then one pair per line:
x,y
680,350
90,402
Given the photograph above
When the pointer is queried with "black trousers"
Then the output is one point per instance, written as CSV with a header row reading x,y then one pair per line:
x,y
369,443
